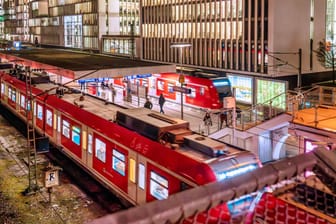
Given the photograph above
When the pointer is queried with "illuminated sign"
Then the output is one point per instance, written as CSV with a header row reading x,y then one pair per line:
x,y
235,172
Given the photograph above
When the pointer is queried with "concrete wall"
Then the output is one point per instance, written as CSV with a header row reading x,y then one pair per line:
x,y
289,29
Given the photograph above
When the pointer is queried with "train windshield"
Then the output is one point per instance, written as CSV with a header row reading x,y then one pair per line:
x,y
227,167
222,86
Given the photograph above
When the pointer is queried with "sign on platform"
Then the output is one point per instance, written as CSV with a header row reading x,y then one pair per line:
x,y
181,89
229,102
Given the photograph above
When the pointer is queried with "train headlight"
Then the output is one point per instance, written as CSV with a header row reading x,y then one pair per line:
x,y
235,172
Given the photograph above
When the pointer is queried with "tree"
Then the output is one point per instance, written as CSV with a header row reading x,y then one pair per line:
x,y
325,54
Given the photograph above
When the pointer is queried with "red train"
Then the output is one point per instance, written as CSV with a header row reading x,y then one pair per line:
x,y
207,93
137,153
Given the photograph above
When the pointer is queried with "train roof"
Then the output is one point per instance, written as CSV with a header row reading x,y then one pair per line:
x,y
74,64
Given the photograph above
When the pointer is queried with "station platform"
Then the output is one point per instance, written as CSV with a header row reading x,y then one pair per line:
x,y
191,114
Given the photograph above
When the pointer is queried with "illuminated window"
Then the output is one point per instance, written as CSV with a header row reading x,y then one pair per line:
x,y
202,91
2,88
160,85
118,162
170,87
13,97
192,93
9,92
158,186
100,150
142,174
49,118
132,174
22,101
76,135
58,123
90,144
39,112
66,129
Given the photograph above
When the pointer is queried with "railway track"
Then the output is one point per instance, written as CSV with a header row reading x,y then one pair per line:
x,y
14,144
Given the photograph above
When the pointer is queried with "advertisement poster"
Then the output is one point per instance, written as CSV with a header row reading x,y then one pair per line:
x,y
243,86
268,90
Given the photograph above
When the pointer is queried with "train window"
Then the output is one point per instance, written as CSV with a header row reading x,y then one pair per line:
x,y
202,91
58,123
90,144
9,92
192,94
132,170
118,162
34,108
2,88
13,97
184,186
170,87
160,85
76,135
28,105
66,129
39,112
158,186
49,118
22,101
100,150
142,173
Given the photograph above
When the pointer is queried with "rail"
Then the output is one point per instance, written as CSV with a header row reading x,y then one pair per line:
x,y
183,205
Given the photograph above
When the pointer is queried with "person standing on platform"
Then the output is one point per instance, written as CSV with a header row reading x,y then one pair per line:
x,y
162,100
223,118
148,104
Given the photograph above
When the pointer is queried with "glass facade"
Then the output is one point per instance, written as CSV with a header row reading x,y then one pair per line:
x,y
73,31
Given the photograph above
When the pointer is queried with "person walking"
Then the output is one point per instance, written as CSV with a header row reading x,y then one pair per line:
x,y
148,104
207,119
162,100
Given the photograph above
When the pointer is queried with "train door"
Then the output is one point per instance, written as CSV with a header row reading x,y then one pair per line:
x,y
58,127
137,178
88,156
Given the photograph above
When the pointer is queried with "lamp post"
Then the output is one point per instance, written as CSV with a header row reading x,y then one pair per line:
x,y
180,46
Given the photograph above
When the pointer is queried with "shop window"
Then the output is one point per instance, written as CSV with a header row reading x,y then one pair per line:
x,y
142,174
39,112
76,135
160,85
100,150
158,186
49,118
66,129
118,162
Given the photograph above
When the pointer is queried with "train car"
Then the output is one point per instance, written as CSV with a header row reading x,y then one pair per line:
x,y
203,92
207,93
138,154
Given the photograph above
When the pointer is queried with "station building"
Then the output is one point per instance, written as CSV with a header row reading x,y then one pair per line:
x,y
245,40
